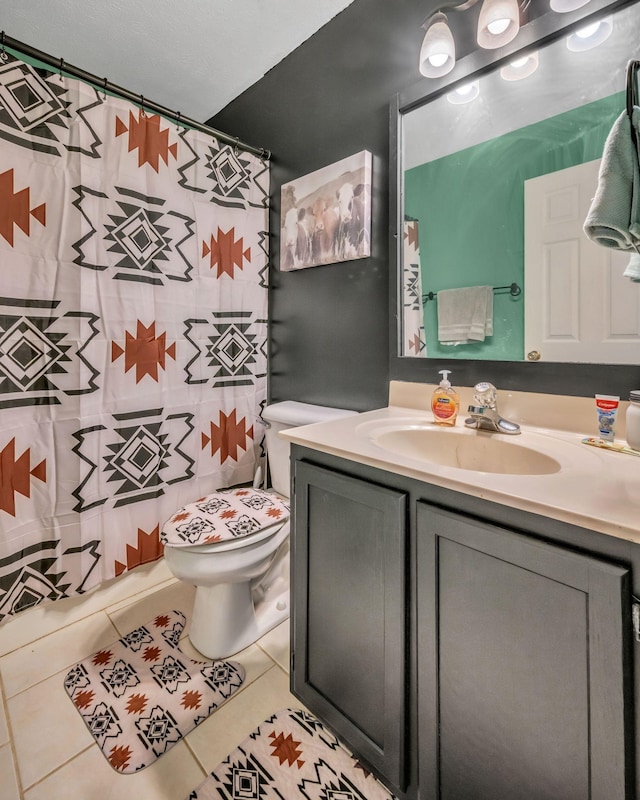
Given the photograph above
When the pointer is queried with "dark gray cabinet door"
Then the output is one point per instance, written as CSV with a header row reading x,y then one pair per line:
x,y
523,667
349,614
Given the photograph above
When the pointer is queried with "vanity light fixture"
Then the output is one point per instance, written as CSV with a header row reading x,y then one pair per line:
x,y
465,93
498,24
590,35
520,67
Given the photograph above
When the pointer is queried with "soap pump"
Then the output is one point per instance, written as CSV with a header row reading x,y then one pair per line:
x,y
445,402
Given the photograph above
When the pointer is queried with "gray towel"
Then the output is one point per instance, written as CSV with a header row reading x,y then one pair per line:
x,y
614,217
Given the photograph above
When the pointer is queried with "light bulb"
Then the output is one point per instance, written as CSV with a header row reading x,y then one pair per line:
x,y
520,68
588,30
465,93
589,36
498,26
437,59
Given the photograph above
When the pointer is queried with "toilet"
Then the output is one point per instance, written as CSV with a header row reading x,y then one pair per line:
x,y
233,545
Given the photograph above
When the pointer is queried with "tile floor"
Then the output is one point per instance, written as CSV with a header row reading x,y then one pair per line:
x,y
47,753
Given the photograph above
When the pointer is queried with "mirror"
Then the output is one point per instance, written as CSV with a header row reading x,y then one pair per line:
x,y
479,183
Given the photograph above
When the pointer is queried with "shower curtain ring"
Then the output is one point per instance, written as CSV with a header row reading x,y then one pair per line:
x,y
60,68
3,53
236,150
104,90
142,111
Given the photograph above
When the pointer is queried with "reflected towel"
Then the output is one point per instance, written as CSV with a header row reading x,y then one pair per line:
x,y
465,315
614,216
633,268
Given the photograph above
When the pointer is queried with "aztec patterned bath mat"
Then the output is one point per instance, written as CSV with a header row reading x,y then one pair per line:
x,y
291,756
141,695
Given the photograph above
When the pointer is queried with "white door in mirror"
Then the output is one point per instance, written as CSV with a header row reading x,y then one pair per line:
x,y
578,305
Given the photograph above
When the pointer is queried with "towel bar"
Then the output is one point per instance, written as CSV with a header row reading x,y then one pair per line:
x,y
514,291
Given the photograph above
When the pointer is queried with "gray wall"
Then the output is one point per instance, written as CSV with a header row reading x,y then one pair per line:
x,y
328,100
330,325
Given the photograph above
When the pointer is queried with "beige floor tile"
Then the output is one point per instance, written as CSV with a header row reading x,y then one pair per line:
x,y
4,732
44,619
212,741
44,657
276,644
47,729
9,782
89,777
130,615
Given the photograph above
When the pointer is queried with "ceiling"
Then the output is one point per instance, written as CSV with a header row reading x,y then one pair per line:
x,y
193,56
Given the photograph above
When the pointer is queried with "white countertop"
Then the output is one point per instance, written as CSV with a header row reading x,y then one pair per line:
x,y
594,488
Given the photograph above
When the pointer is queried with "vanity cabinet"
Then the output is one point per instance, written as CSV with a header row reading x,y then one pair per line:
x,y
464,650
520,665
348,555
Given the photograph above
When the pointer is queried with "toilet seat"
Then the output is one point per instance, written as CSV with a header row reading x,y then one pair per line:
x,y
226,520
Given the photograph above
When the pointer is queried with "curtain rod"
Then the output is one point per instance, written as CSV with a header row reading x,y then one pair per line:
x,y
106,85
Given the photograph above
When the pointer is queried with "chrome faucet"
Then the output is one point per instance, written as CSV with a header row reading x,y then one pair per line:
x,y
484,411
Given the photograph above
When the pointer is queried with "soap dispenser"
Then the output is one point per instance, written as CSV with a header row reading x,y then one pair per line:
x,y
445,402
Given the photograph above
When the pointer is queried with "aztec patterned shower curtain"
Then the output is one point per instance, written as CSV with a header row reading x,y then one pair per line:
x,y
414,342
133,314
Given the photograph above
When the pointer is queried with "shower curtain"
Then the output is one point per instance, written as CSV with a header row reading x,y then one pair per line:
x,y
414,341
133,314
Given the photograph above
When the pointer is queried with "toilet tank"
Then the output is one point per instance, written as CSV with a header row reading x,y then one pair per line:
x,y
290,414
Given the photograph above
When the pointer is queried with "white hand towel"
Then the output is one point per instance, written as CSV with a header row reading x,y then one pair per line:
x,y
465,315
633,268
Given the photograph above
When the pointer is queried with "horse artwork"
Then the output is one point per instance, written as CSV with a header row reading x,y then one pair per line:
x,y
326,215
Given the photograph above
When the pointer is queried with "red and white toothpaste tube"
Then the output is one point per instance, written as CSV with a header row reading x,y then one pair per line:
x,y
607,408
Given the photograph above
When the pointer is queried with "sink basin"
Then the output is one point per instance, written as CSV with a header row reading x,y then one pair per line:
x,y
464,449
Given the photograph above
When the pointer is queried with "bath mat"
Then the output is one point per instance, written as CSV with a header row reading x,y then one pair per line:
x,y
141,695
291,756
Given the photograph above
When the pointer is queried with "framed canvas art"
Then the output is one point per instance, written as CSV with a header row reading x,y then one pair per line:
x,y
326,215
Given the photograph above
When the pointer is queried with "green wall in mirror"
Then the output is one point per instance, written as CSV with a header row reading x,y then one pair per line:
x,y
469,206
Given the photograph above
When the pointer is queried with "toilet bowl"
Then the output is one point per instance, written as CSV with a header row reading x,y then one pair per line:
x,y
240,593
233,545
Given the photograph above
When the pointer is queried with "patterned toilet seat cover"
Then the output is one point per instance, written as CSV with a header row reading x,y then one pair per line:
x,y
224,515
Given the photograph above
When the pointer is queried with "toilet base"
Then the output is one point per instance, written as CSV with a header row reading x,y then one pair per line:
x,y
231,616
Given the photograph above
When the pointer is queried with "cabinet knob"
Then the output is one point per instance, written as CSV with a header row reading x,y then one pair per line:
x,y
533,355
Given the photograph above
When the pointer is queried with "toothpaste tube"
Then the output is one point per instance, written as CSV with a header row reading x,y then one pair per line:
x,y
607,408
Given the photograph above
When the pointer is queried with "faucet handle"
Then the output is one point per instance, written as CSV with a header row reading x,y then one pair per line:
x,y
485,394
